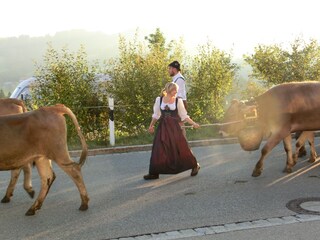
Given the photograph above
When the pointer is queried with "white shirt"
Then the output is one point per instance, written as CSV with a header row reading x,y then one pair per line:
x,y
182,93
182,112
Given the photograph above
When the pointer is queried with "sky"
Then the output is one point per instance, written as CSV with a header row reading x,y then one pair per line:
x,y
239,25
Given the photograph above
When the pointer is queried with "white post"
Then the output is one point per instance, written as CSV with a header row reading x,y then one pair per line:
x,y
111,121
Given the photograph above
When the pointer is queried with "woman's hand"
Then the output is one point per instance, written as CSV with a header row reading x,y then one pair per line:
x,y
151,129
195,125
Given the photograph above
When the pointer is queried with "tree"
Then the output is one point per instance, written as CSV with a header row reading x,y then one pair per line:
x,y
2,95
211,73
156,40
138,76
68,78
252,90
274,65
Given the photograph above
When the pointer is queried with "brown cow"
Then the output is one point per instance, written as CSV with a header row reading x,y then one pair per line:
x,y
38,136
282,110
238,109
10,106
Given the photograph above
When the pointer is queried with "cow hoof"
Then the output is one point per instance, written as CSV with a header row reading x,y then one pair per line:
x,y
30,212
256,173
31,193
287,170
312,160
83,207
5,199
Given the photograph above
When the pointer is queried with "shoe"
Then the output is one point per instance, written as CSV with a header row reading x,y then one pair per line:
x,y
195,170
151,176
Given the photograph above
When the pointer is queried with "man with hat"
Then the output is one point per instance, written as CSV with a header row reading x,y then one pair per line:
x,y
174,72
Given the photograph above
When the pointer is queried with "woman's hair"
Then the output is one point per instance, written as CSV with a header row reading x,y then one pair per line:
x,y
170,86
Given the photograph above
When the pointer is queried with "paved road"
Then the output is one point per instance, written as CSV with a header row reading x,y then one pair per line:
x,y
123,205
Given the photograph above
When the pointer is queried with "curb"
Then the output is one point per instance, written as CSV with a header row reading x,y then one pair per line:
x,y
148,147
198,232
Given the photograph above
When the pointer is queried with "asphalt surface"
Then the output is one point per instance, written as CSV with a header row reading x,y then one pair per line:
x,y
122,204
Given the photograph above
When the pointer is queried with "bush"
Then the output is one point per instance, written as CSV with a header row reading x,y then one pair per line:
x,y
68,78
138,76
211,74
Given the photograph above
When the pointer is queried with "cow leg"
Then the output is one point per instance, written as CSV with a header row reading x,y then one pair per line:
x,y
47,177
300,143
74,172
288,148
27,179
13,181
313,153
302,151
272,141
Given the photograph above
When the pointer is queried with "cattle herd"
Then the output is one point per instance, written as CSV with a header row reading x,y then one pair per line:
x,y
282,110
37,137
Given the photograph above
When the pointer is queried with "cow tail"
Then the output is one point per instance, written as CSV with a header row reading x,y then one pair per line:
x,y
84,152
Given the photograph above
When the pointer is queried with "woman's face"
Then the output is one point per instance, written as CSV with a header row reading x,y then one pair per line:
x,y
173,93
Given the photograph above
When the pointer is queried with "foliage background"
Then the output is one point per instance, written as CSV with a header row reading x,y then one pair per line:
x,y
139,73
275,64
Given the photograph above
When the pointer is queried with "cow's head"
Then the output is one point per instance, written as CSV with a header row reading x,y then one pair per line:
x,y
236,112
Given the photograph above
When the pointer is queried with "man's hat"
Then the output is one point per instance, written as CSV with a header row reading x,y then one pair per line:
x,y
175,64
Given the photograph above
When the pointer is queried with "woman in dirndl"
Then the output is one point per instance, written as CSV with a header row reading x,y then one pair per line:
x,y
171,153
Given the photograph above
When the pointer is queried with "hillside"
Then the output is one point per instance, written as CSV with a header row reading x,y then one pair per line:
x,y
18,54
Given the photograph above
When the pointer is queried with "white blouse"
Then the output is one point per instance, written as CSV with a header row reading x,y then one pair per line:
x,y
181,109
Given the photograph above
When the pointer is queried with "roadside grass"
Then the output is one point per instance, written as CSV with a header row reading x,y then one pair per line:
x,y
147,138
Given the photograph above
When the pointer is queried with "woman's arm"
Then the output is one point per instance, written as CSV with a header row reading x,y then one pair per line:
x,y
151,127
156,115
191,122
156,109
184,115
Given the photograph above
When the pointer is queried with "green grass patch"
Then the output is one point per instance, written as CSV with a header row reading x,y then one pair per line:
x,y
202,133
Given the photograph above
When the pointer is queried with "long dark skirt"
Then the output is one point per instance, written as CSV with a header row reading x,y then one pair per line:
x,y
170,152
